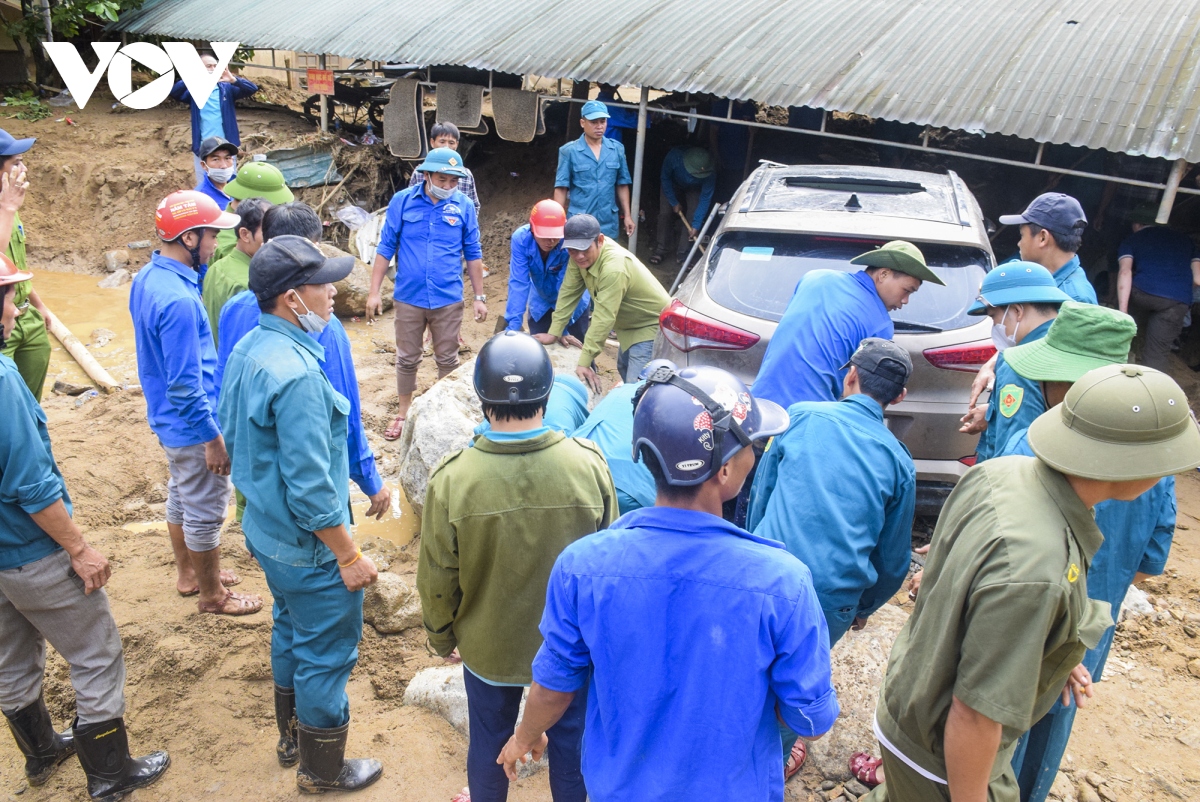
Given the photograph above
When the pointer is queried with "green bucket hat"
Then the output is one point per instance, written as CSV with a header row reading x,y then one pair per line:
x,y
1083,337
901,256
1119,423
698,162
259,180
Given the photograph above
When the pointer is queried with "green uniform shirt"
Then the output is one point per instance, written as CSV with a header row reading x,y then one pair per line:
x,y
225,278
1003,615
226,244
627,296
16,252
496,518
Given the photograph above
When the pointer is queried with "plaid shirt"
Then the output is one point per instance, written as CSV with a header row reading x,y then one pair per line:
x,y
466,185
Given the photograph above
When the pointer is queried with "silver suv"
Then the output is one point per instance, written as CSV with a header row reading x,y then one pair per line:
x,y
785,221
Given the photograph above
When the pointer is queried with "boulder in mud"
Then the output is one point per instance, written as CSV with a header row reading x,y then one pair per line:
x,y
352,291
115,279
391,604
859,662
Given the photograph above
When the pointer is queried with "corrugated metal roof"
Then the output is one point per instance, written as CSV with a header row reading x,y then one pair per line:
x,y
1097,73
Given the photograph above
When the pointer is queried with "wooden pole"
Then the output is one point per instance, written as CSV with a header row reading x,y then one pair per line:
x,y
1168,198
79,351
639,154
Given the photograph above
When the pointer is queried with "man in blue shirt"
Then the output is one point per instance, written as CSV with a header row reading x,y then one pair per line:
x,y
287,432
696,636
218,116
51,588
535,273
688,179
241,314
176,359
610,426
1158,267
430,229
593,174
219,160
830,313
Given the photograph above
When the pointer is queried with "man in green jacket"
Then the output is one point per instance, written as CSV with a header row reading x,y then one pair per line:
x,y
496,518
230,275
628,299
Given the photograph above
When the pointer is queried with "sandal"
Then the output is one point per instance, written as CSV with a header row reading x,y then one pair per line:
x,y
866,769
228,579
243,604
657,259
795,760
462,796
394,431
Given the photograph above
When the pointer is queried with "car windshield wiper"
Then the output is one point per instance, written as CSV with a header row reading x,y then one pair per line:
x,y
906,325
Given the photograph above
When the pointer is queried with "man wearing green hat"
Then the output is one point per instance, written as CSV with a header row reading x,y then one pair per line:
x,y
1022,300
689,179
254,180
830,313
1003,618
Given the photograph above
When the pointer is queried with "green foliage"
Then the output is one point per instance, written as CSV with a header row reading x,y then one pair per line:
x,y
27,106
68,18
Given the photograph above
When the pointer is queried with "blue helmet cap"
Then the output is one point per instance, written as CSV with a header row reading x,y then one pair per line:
x,y
1053,211
1017,283
443,160
11,146
695,419
593,110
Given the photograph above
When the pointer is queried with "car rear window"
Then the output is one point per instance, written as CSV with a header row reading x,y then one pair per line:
x,y
756,272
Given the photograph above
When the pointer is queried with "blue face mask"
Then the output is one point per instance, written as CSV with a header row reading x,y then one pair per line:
x,y
438,193
310,321
1000,336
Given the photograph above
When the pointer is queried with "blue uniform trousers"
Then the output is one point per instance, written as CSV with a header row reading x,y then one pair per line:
x,y
1040,750
314,639
492,710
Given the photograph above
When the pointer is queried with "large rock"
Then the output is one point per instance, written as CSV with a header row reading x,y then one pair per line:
x,y
444,417
352,291
859,662
391,604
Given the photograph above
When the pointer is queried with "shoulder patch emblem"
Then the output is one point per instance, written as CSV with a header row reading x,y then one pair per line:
x,y
1011,396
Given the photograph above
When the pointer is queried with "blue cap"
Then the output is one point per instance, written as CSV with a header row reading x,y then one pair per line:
x,y
12,147
1053,211
593,110
1017,283
443,160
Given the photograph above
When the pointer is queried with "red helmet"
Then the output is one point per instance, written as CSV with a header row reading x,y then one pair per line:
x,y
9,274
188,209
547,219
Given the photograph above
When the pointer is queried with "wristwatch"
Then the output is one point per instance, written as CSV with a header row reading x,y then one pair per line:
x,y
481,298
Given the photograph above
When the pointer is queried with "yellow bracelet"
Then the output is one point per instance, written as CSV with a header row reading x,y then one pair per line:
x,y
352,562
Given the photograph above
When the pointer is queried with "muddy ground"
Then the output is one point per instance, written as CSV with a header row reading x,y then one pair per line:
x,y
200,686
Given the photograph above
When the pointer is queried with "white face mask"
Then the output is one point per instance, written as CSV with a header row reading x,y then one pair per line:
x,y
438,193
1000,336
310,321
222,175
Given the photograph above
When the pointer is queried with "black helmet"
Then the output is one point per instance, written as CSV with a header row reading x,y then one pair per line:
x,y
513,368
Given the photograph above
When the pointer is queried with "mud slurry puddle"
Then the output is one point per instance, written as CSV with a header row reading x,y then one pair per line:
x,y
83,307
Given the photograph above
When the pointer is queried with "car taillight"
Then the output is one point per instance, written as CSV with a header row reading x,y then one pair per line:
x,y
968,461
688,330
968,358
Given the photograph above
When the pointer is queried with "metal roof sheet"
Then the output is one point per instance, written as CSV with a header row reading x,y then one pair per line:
x,y
1096,73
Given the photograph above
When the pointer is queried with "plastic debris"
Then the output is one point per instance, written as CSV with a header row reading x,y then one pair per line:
x,y
63,98
142,243
355,217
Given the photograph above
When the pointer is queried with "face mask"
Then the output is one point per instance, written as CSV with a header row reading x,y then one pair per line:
x,y
440,194
222,175
310,321
1000,336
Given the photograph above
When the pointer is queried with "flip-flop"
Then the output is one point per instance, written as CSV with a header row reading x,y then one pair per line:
x,y
394,431
657,259
228,579
865,768
795,760
246,605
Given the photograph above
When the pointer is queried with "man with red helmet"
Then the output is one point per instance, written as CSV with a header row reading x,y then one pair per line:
x,y
51,584
535,273
176,359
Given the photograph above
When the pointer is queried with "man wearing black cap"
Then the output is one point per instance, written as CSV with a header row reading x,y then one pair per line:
x,y
28,344
218,116
218,159
285,427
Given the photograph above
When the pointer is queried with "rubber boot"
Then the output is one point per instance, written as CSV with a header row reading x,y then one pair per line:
x,y
43,748
103,751
285,719
323,764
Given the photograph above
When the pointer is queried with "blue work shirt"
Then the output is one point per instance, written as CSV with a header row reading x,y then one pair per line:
x,y
830,313
674,174
591,182
1071,279
175,353
285,428
838,490
690,631
29,477
429,240
566,408
207,187
1162,262
241,315
610,426
1012,405
534,280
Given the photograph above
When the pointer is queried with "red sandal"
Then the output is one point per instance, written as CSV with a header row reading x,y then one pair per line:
x,y
795,760
866,768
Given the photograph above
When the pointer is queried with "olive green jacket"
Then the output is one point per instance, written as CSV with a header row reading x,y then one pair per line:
x,y
496,518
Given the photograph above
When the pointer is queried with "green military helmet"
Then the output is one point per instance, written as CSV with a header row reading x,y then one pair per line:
x,y
1119,423
1082,338
259,180
901,256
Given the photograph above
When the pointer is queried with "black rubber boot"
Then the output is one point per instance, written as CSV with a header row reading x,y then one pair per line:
x,y
285,719
323,764
103,751
43,748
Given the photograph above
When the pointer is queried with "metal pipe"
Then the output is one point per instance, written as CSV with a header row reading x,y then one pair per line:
x,y
639,156
324,100
1041,149
1168,198
712,214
